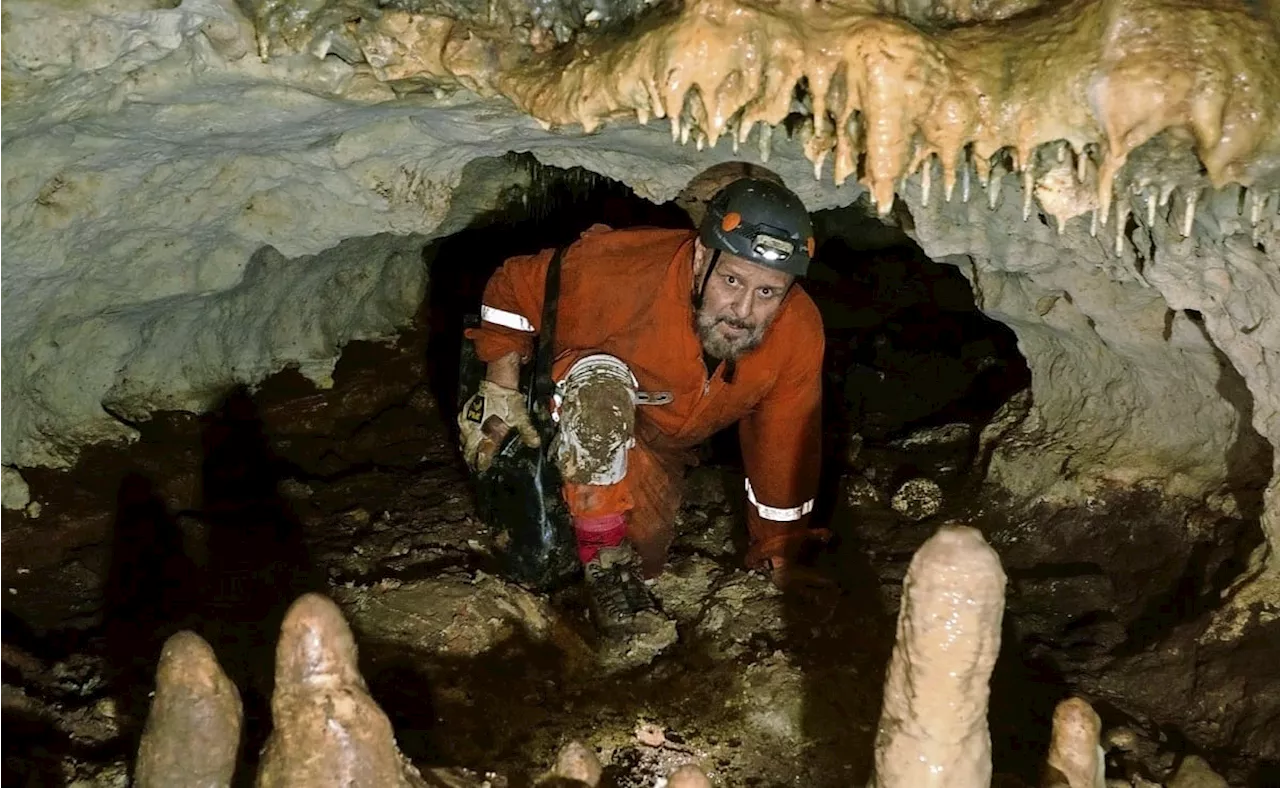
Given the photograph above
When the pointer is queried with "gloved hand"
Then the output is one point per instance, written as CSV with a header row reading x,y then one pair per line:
x,y
798,578
799,572
486,419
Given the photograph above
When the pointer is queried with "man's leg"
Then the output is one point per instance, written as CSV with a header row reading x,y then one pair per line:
x,y
592,448
614,487
657,482
641,509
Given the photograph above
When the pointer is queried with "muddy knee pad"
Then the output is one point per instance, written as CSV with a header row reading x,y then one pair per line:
x,y
597,418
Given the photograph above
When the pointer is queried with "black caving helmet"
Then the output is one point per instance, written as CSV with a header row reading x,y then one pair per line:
x,y
760,221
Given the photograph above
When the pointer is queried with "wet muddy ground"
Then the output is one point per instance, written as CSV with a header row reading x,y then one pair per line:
x,y
217,522
472,670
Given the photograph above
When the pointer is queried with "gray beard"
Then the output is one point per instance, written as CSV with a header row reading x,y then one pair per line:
x,y
717,346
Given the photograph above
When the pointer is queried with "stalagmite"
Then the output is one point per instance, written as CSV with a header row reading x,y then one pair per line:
x,y
1076,758
933,728
327,730
688,776
579,763
193,729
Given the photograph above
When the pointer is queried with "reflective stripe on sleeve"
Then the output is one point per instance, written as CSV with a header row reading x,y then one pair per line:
x,y
503,318
780,515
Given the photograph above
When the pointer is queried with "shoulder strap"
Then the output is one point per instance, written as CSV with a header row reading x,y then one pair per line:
x,y
543,387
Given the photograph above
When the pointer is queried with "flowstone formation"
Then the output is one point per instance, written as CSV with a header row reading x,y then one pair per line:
x,y
1100,109
179,185
198,196
1094,79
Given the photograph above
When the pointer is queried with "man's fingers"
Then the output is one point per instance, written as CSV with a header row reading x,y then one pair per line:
x,y
484,454
529,434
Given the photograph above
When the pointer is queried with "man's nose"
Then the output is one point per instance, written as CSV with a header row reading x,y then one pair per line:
x,y
741,306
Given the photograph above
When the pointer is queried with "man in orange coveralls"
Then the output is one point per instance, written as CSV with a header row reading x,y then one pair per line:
x,y
665,337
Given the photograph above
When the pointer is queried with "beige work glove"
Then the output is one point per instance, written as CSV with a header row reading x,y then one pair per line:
x,y
485,420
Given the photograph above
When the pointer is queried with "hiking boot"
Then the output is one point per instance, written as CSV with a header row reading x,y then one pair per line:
x,y
633,630
616,591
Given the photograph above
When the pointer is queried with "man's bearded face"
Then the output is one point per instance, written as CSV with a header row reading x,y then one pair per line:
x,y
727,337
741,299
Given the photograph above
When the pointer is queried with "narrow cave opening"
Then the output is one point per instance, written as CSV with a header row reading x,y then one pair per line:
x,y
216,522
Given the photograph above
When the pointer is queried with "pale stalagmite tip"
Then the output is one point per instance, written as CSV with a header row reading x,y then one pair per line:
x,y
688,776
327,731
316,644
193,728
578,762
1075,757
933,727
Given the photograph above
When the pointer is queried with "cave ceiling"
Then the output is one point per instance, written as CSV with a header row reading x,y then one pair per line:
x,y
185,186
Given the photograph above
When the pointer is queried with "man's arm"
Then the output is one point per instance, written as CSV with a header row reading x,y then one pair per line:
x,y
510,313
782,451
505,371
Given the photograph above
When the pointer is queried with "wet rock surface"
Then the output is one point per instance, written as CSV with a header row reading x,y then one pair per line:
x,y
193,728
473,671
327,730
356,493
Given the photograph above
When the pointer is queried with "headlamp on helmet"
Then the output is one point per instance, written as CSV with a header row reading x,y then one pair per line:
x,y
762,222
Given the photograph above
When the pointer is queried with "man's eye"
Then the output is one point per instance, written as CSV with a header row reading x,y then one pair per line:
x,y
766,292
730,279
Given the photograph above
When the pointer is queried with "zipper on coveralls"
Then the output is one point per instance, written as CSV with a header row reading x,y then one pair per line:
x,y
706,383
701,404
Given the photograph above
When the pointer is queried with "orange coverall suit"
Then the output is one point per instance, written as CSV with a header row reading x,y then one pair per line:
x,y
628,293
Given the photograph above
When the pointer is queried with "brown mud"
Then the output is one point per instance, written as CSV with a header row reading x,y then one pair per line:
x,y
217,523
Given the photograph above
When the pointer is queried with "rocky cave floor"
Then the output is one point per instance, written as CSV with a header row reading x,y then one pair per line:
x,y
218,522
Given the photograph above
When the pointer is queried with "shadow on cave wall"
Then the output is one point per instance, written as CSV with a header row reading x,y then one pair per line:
x,y
227,570
906,349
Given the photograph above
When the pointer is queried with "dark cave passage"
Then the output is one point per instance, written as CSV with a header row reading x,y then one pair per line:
x,y
217,522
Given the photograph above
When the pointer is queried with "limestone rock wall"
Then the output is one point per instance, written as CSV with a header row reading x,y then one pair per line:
x,y
1128,385
1235,285
176,207
177,212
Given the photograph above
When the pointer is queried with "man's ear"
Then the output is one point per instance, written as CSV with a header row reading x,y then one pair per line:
x,y
699,259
